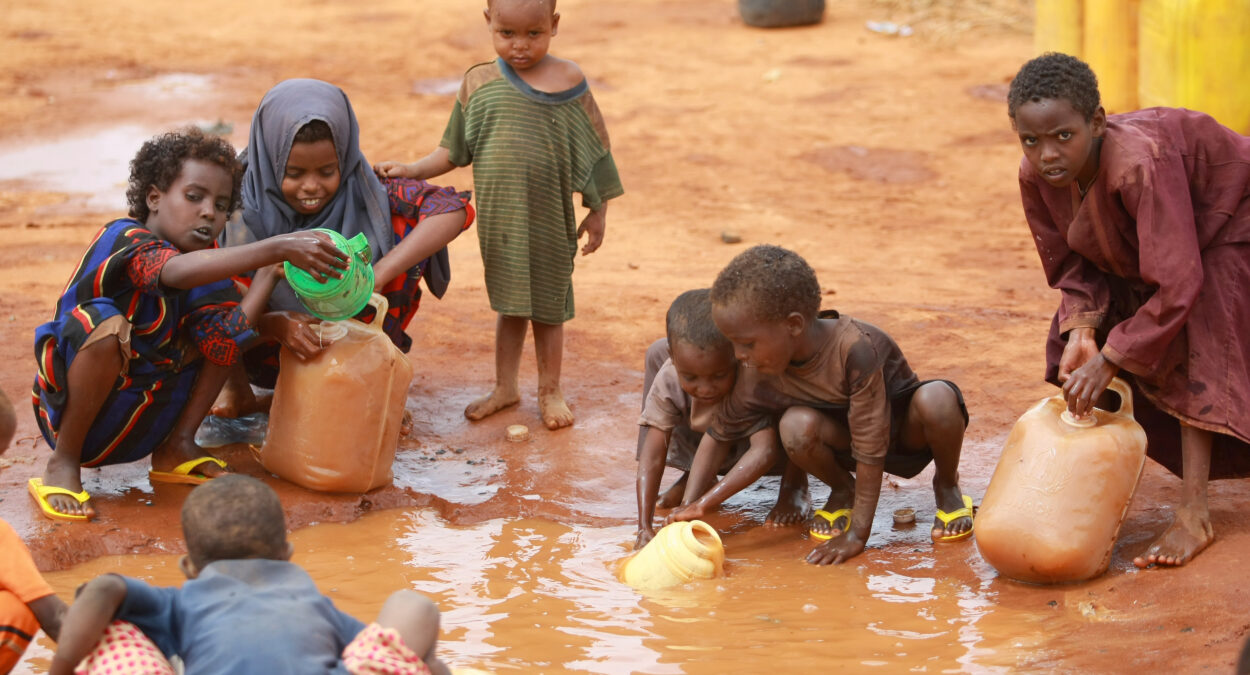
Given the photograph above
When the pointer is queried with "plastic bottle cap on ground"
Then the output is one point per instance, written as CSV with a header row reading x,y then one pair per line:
x,y
518,432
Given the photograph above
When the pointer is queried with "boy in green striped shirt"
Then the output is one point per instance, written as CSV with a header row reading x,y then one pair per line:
x,y
530,127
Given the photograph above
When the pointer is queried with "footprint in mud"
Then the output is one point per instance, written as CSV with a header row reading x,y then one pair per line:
x,y
883,165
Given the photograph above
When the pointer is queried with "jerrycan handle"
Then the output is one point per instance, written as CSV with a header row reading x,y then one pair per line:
x,y
1117,385
380,307
359,246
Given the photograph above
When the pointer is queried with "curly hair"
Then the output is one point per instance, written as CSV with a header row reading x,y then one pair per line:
x,y
689,320
1055,76
772,281
159,162
313,131
233,517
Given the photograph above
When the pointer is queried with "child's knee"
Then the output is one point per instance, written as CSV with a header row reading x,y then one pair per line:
x,y
799,429
936,406
414,616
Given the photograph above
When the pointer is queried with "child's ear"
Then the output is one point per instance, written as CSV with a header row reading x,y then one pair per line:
x,y
486,13
290,550
1098,124
796,323
189,570
555,23
153,198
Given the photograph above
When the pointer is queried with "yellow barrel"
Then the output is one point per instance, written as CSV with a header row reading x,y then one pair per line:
x,y
678,553
1058,26
1110,48
1196,54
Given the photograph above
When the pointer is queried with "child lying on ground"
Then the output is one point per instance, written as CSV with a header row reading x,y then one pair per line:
x,y
681,396
26,600
244,608
847,397
120,370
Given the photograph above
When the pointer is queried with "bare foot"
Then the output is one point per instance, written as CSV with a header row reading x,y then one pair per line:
x,y
174,452
837,500
405,425
66,475
492,403
792,508
672,496
238,404
555,411
1189,533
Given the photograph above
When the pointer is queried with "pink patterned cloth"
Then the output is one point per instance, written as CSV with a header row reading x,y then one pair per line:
x,y
124,650
380,651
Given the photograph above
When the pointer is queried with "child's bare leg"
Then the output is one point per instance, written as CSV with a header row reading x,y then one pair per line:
x,y
935,421
415,618
809,438
794,503
549,347
237,398
672,496
509,339
8,423
180,445
1190,531
90,380
765,451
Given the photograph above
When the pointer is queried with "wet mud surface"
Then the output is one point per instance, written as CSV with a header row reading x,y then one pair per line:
x,y
887,162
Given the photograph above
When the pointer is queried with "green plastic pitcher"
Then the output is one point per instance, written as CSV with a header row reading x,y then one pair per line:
x,y
336,299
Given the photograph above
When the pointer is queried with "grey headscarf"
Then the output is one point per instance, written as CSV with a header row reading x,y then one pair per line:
x,y
360,205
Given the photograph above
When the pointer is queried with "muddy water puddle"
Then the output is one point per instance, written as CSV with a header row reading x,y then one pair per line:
x,y
540,596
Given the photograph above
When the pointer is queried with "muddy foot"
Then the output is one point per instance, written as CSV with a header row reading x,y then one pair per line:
x,y
66,475
555,411
821,525
792,508
491,403
173,452
405,425
672,496
1189,533
239,404
951,501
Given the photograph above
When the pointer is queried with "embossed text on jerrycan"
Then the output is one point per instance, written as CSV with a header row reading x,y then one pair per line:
x,y
1060,491
335,419
678,553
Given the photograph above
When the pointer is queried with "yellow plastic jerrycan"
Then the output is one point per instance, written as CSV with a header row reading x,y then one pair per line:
x,y
1059,27
1196,54
1060,491
678,553
335,420
1110,48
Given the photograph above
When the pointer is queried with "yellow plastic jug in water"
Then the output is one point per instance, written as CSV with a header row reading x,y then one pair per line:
x,y
678,553
1060,491
335,419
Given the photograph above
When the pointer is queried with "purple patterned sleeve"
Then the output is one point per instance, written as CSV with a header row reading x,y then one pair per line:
x,y
146,263
418,199
220,332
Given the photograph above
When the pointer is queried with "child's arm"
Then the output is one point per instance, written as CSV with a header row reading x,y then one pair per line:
x,y
708,458
764,452
431,235
313,252
50,612
91,613
432,165
650,471
594,225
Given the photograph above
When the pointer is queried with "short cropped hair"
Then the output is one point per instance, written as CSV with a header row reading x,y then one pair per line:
x,y
490,4
159,163
1055,76
772,282
313,131
233,517
689,320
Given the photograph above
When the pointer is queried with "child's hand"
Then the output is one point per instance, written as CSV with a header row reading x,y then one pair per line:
x,y
393,170
1081,347
1086,384
645,535
314,253
593,226
274,272
295,332
837,550
686,513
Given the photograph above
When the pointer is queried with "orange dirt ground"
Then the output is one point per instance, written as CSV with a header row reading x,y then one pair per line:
x,y
887,162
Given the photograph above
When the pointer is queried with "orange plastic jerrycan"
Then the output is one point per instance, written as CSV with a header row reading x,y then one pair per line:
x,y
678,553
1060,491
335,419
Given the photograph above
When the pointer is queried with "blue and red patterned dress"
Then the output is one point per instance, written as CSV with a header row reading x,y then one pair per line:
x,y
170,329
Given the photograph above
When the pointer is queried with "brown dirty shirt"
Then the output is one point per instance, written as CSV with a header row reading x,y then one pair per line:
x,y
858,367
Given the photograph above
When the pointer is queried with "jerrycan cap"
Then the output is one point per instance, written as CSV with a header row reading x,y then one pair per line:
x,y
329,330
309,286
1083,422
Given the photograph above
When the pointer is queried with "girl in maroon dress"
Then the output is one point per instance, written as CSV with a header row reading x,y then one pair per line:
x,y
1142,221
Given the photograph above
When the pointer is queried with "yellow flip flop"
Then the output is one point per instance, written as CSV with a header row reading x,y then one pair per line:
x,y
832,518
182,473
40,493
946,518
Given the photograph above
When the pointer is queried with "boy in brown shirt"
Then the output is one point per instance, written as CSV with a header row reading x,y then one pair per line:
x,y
850,400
